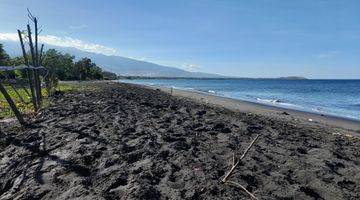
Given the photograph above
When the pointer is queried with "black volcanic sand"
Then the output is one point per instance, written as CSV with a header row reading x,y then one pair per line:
x,y
128,142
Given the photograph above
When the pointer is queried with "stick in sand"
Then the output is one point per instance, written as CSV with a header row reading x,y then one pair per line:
x,y
235,164
243,188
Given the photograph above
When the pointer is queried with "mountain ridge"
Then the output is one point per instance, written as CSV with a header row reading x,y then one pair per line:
x,y
118,64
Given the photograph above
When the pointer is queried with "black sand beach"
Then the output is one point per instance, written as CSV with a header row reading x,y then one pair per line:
x,y
352,125
123,141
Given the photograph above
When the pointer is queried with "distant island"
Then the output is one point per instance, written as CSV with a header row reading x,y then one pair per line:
x,y
224,77
293,78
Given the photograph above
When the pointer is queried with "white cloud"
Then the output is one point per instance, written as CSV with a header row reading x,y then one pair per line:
x,y
65,42
9,37
329,54
78,27
190,67
76,43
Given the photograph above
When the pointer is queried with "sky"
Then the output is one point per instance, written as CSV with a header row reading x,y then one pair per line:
x,y
257,38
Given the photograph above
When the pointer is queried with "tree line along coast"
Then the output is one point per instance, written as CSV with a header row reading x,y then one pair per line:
x,y
63,65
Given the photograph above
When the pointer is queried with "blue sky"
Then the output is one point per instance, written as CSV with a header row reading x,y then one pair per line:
x,y
257,38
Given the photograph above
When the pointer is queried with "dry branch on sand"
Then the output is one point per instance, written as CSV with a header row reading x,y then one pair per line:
x,y
234,164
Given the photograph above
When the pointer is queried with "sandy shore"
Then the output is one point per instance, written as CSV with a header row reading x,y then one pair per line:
x,y
351,126
124,141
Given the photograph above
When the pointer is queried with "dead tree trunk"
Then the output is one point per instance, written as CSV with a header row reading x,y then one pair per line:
x,y
29,72
37,56
33,58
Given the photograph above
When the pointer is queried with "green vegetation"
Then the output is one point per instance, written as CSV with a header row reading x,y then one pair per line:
x,y
24,105
4,57
27,107
75,87
63,66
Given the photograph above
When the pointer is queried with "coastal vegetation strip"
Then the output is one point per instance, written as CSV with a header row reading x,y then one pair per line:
x,y
59,67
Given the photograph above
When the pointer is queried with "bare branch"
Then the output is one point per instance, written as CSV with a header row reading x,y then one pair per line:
x,y
233,159
31,17
238,161
243,188
249,147
40,30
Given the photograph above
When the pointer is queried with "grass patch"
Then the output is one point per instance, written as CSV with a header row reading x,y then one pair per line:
x,y
27,107
77,86
24,106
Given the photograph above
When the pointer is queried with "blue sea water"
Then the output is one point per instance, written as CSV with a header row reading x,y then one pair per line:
x,y
335,97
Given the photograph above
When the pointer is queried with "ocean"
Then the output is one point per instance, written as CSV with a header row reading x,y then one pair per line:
x,y
332,97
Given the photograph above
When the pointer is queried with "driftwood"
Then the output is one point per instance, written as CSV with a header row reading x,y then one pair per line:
x,y
234,164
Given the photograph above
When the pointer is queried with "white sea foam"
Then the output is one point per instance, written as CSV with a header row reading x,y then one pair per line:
x,y
183,88
276,102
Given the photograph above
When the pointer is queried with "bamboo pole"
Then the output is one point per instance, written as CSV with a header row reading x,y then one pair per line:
x,y
12,105
28,72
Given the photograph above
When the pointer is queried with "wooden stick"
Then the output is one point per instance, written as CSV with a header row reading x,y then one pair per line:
x,y
36,76
17,93
37,60
41,54
233,159
243,188
242,156
12,105
24,88
26,91
36,43
28,72
249,147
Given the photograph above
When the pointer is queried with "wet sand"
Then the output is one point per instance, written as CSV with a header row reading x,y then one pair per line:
x,y
351,126
125,141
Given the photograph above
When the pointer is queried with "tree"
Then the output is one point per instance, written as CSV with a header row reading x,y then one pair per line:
x,y
16,61
4,57
61,65
5,61
109,75
85,69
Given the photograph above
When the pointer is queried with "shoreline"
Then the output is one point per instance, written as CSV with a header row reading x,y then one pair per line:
x,y
310,118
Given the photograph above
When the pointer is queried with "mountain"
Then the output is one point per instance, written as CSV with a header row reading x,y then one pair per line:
x,y
117,64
